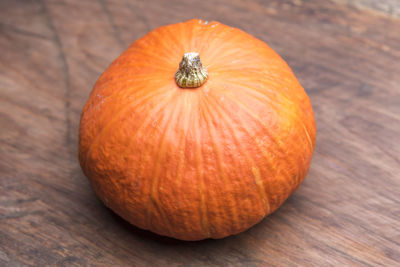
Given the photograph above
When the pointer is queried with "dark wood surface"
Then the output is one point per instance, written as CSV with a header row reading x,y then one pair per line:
x,y
347,212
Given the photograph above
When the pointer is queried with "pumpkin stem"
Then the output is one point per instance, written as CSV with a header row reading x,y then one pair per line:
x,y
191,72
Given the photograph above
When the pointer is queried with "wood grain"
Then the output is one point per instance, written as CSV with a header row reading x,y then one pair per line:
x,y
347,212
386,7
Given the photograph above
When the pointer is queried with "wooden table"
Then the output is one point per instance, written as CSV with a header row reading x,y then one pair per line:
x,y
346,212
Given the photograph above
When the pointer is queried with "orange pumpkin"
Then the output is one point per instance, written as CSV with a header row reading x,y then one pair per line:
x,y
198,130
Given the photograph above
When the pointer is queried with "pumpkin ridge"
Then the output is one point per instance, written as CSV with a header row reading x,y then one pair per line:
x,y
229,58
263,90
174,118
145,123
161,38
103,130
219,48
259,183
182,144
274,105
260,188
307,134
163,62
205,35
161,149
226,53
116,94
92,105
198,33
218,158
262,98
191,34
171,35
259,120
260,68
222,54
180,33
200,172
265,155
206,228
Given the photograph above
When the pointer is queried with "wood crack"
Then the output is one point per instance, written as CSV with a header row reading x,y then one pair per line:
x,y
111,21
65,68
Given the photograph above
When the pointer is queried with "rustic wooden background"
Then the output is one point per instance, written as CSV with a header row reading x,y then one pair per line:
x,y
346,212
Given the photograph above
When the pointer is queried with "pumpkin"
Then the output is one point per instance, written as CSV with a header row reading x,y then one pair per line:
x,y
198,130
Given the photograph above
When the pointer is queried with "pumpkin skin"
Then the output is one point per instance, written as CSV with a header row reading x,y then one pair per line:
x,y
196,163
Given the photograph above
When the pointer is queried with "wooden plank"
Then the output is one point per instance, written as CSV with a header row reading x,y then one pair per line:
x,y
385,7
347,211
